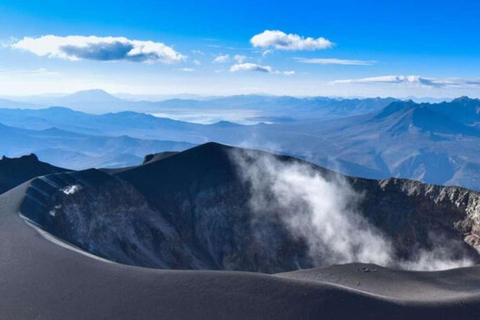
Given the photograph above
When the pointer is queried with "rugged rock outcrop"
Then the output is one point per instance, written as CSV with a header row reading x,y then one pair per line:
x,y
15,171
418,215
158,156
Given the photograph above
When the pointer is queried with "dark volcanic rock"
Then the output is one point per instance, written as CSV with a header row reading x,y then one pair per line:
x,y
15,171
158,156
191,211
106,216
200,192
420,216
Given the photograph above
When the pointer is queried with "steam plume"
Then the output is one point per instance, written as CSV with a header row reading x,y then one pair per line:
x,y
321,209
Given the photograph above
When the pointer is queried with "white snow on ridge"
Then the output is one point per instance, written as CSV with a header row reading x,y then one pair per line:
x,y
71,189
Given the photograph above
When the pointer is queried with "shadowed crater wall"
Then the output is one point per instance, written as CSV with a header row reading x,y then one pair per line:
x,y
192,210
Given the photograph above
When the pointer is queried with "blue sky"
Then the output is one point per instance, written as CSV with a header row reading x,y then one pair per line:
x,y
421,48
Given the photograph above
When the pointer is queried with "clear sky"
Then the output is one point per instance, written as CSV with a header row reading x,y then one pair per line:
x,y
369,48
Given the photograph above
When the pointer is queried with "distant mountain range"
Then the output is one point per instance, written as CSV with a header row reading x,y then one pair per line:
x,y
373,138
77,151
434,143
99,101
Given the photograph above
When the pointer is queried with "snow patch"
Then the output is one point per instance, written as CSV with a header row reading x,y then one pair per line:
x,y
68,190
53,212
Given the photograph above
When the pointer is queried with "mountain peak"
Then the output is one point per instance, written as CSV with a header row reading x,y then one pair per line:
x,y
396,107
446,118
158,156
14,171
93,94
27,158
226,124
58,109
465,99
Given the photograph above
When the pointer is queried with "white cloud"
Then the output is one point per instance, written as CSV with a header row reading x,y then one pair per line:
x,y
99,49
266,53
413,80
198,52
251,67
196,62
240,58
222,58
279,40
187,69
8,43
383,79
337,61
258,68
29,72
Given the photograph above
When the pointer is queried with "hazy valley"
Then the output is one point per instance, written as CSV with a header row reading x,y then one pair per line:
x,y
372,138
